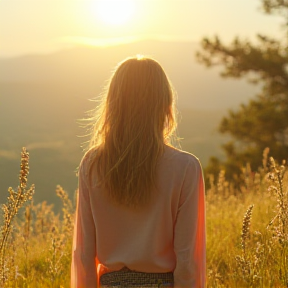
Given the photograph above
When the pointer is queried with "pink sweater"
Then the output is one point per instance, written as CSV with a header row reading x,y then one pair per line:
x,y
168,235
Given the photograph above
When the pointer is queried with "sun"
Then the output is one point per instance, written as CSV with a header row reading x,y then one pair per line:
x,y
114,12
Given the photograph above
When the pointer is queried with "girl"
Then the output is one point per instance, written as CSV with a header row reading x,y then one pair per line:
x,y
140,219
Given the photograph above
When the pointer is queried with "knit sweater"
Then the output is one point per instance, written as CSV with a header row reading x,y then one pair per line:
x,y
166,235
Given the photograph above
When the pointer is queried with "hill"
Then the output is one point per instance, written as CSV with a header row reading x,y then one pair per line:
x,y
43,96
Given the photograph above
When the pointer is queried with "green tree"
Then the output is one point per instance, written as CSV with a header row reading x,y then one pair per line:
x,y
262,122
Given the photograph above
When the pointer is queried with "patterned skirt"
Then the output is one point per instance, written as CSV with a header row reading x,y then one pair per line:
x,y
128,278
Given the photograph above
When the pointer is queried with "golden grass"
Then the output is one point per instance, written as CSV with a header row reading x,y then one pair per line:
x,y
247,233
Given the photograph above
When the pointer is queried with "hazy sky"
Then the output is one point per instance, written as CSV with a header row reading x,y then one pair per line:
x,y
29,26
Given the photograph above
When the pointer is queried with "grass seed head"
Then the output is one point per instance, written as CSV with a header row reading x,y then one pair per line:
x,y
246,226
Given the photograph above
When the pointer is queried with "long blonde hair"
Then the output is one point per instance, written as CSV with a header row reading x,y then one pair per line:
x,y
131,126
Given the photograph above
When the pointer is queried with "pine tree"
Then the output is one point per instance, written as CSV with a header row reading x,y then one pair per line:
x,y
262,122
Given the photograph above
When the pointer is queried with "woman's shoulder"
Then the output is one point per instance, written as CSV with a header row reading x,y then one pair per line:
x,y
180,156
87,158
90,153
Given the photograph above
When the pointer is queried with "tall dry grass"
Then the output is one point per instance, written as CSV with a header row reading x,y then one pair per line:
x,y
247,232
247,244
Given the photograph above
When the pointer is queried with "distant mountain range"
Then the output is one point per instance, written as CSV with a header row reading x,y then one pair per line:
x,y
43,96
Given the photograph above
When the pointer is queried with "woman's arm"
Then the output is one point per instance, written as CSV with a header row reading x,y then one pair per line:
x,y
189,235
83,267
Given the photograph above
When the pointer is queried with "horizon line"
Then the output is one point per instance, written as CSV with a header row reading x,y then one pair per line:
x,y
70,42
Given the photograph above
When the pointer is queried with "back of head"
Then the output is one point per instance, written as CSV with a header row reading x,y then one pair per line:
x,y
136,120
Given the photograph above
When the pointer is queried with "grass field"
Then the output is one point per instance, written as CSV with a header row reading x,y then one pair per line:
x,y
247,232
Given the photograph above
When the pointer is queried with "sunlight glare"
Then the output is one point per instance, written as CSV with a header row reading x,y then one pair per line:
x,y
115,12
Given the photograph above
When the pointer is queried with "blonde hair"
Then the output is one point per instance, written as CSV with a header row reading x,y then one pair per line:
x,y
131,126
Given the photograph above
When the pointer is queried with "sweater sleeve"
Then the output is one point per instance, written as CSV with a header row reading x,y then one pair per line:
x,y
83,266
189,232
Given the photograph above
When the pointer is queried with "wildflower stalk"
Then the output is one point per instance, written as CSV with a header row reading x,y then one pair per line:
x,y
246,228
67,210
279,223
243,261
14,203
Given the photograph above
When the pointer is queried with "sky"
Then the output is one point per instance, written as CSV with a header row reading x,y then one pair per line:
x,y
42,26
